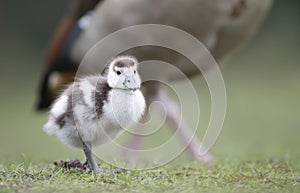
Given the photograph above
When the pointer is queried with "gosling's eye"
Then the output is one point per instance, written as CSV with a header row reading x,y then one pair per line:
x,y
118,72
134,71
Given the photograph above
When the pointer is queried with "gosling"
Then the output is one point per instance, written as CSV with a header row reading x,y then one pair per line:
x,y
95,109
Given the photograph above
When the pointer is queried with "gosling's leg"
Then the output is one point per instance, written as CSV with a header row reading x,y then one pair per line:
x,y
87,148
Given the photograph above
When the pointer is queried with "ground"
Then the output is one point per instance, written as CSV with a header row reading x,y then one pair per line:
x,y
227,176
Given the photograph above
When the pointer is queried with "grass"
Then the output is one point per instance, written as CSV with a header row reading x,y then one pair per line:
x,y
227,176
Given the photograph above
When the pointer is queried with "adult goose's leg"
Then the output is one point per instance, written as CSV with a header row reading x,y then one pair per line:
x,y
184,133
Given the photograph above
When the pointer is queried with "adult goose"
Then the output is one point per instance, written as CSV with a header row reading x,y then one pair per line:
x,y
221,25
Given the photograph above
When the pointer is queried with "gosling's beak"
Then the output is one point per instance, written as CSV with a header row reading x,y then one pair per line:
x,y
130,83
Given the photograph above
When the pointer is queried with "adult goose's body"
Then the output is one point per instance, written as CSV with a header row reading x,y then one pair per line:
x,y
221,25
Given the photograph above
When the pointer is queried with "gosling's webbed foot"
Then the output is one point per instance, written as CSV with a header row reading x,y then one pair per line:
x,y
84,166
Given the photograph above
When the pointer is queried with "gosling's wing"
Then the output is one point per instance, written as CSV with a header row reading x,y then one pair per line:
x,y
59,111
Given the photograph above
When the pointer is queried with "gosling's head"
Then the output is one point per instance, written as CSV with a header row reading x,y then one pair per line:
x,y
123,74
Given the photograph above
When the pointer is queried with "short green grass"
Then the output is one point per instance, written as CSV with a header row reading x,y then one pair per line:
x,y
226,176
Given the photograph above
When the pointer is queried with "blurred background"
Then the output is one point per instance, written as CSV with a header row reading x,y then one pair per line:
x,y
262,81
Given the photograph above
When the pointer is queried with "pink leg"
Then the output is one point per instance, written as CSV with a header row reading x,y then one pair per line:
x,y
183,132
136,141
172,118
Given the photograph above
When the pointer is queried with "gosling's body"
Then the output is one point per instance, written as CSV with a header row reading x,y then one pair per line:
x,y
76,112
96,109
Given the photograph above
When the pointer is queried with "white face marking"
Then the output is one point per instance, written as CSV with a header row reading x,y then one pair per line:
x,y
124,77
87,89
60,106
